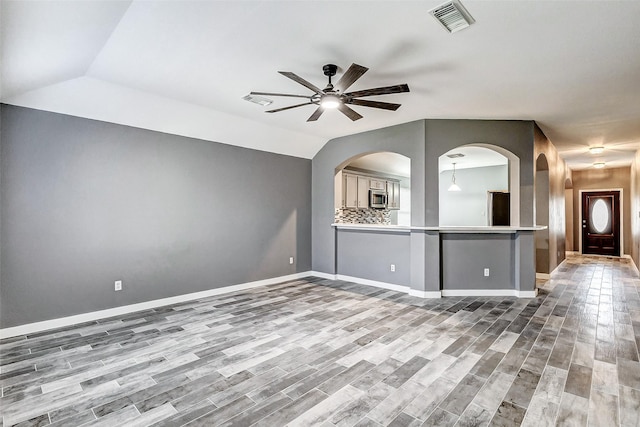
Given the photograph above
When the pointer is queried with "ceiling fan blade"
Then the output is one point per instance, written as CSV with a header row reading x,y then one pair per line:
x,y
375,104
300,80
349,112
380,91
354,72
316,114
288,108
278,94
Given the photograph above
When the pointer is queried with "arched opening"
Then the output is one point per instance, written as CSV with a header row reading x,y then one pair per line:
x,y
568,215
542,214
488,187
373,188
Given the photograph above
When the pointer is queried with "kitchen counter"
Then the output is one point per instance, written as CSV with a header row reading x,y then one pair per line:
x,y
439,261
449,229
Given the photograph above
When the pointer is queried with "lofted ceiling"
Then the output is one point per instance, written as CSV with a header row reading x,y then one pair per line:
x,y
182,67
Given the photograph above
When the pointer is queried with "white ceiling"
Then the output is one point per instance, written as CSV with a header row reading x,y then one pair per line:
x,y
182,67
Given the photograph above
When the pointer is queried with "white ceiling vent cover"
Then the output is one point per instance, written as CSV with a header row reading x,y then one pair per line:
x,y
453,16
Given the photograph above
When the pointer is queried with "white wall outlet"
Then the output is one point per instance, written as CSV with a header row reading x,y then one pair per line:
x,y
393,267
118,285
290,260
486,272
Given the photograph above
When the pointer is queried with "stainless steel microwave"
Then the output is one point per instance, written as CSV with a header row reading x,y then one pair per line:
x,y
377,199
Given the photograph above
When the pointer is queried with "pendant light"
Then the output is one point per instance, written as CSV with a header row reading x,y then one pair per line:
x,y
454,186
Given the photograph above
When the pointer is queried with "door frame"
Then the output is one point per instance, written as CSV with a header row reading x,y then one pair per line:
x,y
622,254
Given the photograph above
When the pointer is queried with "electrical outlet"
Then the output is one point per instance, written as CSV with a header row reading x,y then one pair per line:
x,y
486,272
291,260
393,267
118,285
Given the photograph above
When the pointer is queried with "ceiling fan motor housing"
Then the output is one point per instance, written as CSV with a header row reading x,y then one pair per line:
x,y
330,70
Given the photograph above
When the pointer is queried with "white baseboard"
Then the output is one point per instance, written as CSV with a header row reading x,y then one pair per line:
x,y
374,283
377,284
322,275
488,293
425,294
430,294
62,322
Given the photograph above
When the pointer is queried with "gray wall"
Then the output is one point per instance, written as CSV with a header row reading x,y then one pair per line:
x,y
423,141
465,256
406,139
85,203
369,255
442,136
469,206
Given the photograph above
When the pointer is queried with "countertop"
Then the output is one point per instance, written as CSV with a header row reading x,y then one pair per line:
x,y
457,229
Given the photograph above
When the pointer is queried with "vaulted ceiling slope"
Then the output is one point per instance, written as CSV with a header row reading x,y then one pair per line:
x,y
183,67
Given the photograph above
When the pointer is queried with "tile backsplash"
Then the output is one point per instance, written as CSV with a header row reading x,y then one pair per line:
x,y
363,216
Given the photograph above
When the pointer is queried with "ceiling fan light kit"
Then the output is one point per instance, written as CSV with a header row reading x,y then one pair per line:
x,y
334,96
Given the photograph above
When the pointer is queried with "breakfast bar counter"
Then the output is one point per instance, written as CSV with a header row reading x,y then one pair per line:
x,y
438,261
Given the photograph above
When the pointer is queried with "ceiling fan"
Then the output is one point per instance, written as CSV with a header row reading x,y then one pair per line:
x,y
335,96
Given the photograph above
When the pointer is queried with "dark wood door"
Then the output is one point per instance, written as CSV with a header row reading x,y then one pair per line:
x,y
601,223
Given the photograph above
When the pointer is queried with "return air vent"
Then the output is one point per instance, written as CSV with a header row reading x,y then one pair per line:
x,y
455,155
453,16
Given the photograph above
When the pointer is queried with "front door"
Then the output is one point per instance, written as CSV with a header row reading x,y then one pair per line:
x,y
601,223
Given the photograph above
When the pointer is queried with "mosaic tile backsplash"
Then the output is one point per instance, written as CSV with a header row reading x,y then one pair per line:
x,y
363,216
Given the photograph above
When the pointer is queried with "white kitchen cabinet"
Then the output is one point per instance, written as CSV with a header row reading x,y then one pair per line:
x,y
363,192
377,184
350,191
393,195
355,191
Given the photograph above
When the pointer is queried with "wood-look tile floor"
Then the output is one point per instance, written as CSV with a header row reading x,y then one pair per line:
x,y
328,353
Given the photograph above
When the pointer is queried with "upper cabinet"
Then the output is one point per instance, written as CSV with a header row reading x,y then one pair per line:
x,y
393,195
352,190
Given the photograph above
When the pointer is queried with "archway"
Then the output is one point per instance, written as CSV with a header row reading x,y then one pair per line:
x,y
541,185
360,179
568,215
488,178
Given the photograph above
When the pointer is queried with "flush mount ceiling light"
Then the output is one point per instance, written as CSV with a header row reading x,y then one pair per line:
x,y
453,16
260,100
598,165
596,150
454,186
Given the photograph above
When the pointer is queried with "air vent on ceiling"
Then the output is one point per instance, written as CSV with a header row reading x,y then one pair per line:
x,y
455,155
453,16
260,100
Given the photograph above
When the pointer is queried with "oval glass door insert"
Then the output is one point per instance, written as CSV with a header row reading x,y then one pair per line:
x,y
600,216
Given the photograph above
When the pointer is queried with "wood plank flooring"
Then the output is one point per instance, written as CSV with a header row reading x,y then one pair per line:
x,y
327,353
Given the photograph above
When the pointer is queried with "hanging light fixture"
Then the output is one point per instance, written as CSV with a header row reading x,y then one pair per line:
x,y
454,186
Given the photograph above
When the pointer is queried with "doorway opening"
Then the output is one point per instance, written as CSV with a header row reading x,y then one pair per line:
x,y
542,215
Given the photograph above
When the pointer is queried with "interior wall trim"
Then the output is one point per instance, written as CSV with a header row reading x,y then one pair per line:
x,y
31,328
374,283
489,293
430,294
